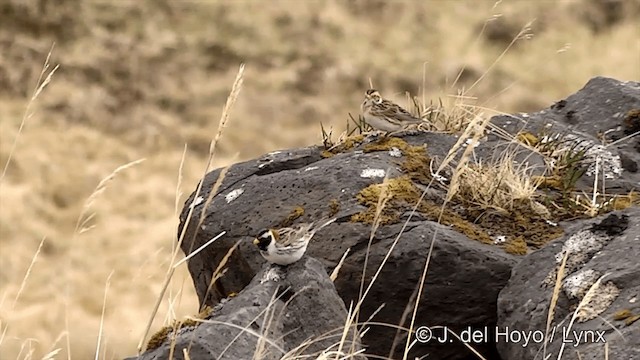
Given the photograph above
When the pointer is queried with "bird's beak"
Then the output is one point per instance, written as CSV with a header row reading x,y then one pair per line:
x,y
256,241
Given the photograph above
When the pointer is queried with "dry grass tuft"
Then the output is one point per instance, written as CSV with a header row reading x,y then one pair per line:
x,y
499,185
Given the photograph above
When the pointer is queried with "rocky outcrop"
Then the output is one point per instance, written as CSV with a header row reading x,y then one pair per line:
x,y
267,191
470,262
599,118
296,312
602,260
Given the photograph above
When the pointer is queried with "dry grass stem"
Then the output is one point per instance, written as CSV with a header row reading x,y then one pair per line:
x,y
583,303
554,300
525,33
336,270
26,276
475,128
40,85
195,252
221,267
104,306
235,91
83,219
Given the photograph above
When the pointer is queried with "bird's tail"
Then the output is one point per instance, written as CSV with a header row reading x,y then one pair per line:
x,y
324,223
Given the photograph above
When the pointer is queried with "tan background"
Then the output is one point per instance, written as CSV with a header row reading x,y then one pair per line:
x,y
140,79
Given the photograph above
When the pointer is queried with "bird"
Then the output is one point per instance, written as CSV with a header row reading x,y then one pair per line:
x,y
385,115
287,245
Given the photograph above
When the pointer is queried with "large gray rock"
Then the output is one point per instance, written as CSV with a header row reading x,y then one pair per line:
x,y
466,271
597,118
607,247
275,314
465,275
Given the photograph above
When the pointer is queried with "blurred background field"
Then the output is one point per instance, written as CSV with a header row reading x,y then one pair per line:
x,y
140,79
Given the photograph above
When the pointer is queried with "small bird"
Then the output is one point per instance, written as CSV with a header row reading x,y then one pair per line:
x,y
385,115
286,245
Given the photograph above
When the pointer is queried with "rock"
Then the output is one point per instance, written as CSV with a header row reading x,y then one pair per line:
x,y
604,108
606,248
462,271
276,313
469,265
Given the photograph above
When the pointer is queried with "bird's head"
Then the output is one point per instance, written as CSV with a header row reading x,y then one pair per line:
x,y
264,238
372,96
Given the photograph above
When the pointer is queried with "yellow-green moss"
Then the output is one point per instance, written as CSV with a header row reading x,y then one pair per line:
x,y
523,224
293,215
346,144
384,144
527,138
627,315
400,194
334,207
631,320
456,221
159,338
516,246
326,154
205,312
190,322
622,314
632,120
163,334
621,202
469,229
548,182
415,163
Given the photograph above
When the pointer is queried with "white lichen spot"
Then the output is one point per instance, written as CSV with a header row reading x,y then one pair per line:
x,y
310,168
499,239
576,285
581,243
395,152
270,275
597,300
633,300
372,173
602,161
233,194
197,201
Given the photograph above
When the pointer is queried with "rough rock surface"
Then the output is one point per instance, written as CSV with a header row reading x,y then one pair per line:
x,y
309,309
604,109
462,271
465,275
607,247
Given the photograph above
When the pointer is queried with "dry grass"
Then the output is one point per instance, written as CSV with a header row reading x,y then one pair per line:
x,y
139,81
497,185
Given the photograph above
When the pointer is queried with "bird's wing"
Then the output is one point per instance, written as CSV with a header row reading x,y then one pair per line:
x,y
394,111
290,235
